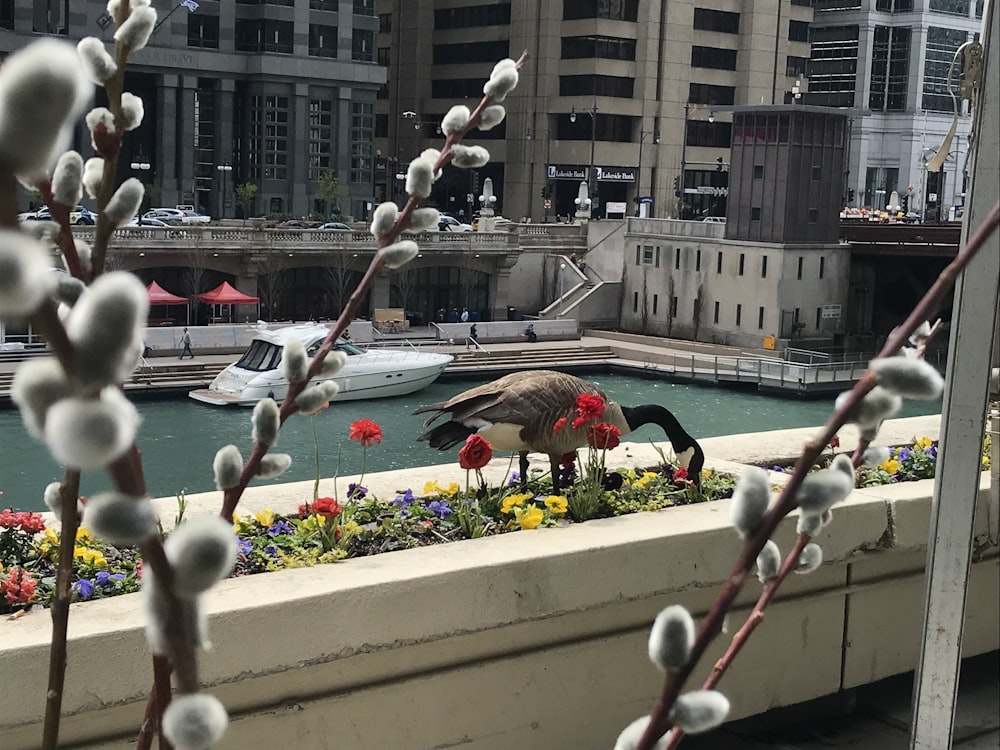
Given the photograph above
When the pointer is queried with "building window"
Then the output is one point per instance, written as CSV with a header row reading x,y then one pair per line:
x,y
715,58
739,315
754,214
833,64
952,7
677,259
715,314
470,52
763,267
758,171
268,137
617,10
697,261
796,315
941,46
673,307
322,40
49,17
638,254
798,31
817,173
890,68
327,5
362,45
364,7
798,275
706,93
595,85
203,31
742,260
656,303
718,263
472,16
362,131
264,35
597,47
822,266
796,67
813,215
894,6
760,318
384,23
647,255
635,301
717,20
6,14
320,140
656,263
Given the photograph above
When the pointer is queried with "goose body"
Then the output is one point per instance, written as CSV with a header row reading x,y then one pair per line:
x,y
517,412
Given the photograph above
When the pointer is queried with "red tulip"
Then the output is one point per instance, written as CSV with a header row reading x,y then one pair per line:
x,y
475,454
366,432
603,435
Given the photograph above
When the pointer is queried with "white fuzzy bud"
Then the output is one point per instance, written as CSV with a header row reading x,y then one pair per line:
x,y
922,332
25,278
384,218
456,119
195,721
768,562
124,204
630,736
399,253
671,638
105,328
419,178
294,361
750,500
38,384
909,378
43,89
810,558
44,230
332,364
491,116
469,157
85,254
273,465
88,433
134,33
432,155
52,496
878,405
132,111
502,81
842,462
809,525
820,491
227,467
156,616
699,711
423,219
98,64
99,117
120,518
67,179
873,456
93,174
202,552
266,421
316,398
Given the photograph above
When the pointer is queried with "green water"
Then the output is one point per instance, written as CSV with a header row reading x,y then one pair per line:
x,y
179,437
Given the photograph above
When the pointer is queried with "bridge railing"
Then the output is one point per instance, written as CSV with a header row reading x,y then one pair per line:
x,y
761,370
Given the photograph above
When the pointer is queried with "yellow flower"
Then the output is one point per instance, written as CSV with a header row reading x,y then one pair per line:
x,y
451,490
265,517
431,488
51,535
706,473
512,501
83,535
92,557
890,467
351,527
923,443
242,524
529,518
557,504
312,524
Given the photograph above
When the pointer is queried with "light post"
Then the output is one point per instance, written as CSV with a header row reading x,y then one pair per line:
x,y
679,185
593,139
562,281
638,172
141,164
223,169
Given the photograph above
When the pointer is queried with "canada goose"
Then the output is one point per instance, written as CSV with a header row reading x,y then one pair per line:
x,y
517,413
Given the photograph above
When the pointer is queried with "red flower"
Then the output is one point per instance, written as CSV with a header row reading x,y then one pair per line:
x,y
27,521
590,406
579,422
365,432
18,587
560,423
681,476
603,435
475,454
835,441
568,459
327,506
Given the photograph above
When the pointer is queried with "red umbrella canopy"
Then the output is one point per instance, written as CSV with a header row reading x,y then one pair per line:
x,y
160,296
225,294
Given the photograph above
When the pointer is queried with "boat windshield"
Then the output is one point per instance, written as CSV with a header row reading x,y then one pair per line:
x,y
261,356
349,349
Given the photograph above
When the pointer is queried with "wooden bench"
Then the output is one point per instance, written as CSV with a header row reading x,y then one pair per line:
x,y
390,319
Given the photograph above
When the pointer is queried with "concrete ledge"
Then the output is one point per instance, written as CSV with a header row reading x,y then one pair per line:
x,y
528,640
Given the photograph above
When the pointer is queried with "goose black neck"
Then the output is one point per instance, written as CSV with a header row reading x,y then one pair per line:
x,y
680,440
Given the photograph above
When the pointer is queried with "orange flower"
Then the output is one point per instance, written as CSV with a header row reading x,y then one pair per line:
x,y
366,432
475,454
18,587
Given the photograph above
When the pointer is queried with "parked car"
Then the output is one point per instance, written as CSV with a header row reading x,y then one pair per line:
x,y
451,224
338,226
497,221
176,215
714,220
298,224
144,222
79,215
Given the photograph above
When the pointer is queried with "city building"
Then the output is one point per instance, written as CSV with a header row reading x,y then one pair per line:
x,y
274,94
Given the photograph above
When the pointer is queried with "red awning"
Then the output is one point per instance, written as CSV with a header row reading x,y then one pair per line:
x,y
160,296
225,294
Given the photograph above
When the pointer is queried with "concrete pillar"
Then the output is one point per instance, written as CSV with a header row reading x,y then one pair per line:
x,y
380,290
184,143
301,203
499,294
165,157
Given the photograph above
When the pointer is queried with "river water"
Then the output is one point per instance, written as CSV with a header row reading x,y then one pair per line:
x,y
179,437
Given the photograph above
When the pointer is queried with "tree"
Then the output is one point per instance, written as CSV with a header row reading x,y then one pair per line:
x,y
272,283
339,277
329,191
404,282
245,195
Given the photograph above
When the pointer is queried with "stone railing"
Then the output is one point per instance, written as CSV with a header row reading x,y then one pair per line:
x,y
530,640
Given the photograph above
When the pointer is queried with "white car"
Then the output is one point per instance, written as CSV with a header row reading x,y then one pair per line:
x,y
176,215
451,224
144,222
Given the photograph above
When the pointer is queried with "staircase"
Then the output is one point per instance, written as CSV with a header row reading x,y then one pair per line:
x,y
533,358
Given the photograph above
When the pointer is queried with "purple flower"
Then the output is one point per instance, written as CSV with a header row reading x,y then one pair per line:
x,y
356,490
245,546
515,477
932,451
107,580
279,527
440,509
271,550
904,453
405,500
779,469
83,588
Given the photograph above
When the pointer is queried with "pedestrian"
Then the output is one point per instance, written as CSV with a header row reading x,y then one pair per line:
x,y
473,336
465,315
582,265
453,315
530,333
186,345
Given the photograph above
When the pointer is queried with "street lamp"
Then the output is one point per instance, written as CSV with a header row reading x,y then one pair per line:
x,y
638,171
223,168
562,281
593,138
141,164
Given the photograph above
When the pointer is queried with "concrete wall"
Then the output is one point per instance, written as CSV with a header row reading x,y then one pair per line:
x,y
528,640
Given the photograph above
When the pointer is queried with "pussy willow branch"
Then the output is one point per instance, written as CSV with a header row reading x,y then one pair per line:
x,y
69,493
711,625
231,497
64,240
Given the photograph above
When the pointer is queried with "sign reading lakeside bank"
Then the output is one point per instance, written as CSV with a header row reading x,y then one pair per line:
x,y
604,174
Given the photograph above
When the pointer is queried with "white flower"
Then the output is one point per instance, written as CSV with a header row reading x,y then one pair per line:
x,y
671,638
91,433
294,361
768,562
384,218
202,552
750,499
134,33
491,116
266,421
502,80
125,202
38,384
630,736
274,465
423,219
908,377
419,178
132,111
810,558
820,491
98,64
155,609
874,456
195,721
227,467
120,518
809,525
84,253
313,399
25,275
332,363
877,405
99,117
93,173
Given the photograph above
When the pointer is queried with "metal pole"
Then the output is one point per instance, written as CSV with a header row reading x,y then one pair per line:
x,y
963,419
593,139
684,144
638,177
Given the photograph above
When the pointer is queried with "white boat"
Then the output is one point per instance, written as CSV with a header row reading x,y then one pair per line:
x,y
375,373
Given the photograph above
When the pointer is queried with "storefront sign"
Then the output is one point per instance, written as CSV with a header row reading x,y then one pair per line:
x,y
566,172
615,174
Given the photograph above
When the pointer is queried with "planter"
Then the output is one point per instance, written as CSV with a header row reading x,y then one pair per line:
x,y
528,640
